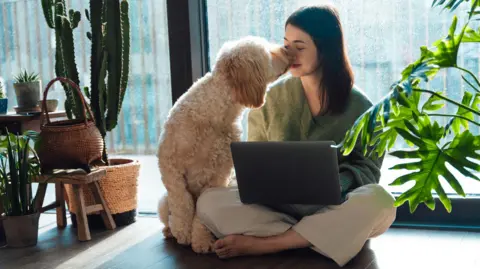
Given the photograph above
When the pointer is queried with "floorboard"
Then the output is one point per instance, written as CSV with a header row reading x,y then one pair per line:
x,y
141,245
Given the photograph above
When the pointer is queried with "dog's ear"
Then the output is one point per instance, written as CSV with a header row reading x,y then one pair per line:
x,y
248,78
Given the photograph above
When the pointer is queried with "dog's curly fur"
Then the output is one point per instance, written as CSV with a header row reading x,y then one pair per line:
x,y
194,147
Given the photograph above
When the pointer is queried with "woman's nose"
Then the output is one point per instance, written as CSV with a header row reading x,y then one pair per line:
x,y
291,53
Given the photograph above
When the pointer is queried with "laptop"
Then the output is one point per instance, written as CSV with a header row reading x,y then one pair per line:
x,y
287,172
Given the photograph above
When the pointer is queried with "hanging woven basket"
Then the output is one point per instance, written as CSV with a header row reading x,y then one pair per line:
x,y
68,144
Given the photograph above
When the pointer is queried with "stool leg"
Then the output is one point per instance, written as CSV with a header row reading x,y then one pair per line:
x,y
82,224
61,212
105,213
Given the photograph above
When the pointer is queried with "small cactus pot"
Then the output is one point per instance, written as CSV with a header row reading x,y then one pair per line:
x,y
28,94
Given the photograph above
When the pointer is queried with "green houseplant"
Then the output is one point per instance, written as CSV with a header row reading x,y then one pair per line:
x,y
18,165
109,67
27,87
401,113
3,100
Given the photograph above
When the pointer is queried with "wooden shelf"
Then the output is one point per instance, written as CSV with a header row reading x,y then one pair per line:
x,y
13,116
19,123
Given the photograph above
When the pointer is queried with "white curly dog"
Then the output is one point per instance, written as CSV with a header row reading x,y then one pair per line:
x,y
194,147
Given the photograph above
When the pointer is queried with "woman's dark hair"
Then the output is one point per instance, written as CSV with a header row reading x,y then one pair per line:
x,y
322,23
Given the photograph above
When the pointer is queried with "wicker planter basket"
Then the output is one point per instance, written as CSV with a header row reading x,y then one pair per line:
x,y
119,189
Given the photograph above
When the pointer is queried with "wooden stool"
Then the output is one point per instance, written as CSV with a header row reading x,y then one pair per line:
x,y
78,179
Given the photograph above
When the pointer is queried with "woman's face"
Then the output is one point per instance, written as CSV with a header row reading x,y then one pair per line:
x,y
302,46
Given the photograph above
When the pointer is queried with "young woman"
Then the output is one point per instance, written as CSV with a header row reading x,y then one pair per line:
x,y
317,101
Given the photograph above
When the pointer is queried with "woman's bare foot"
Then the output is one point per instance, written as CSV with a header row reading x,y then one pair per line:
x,y
242,245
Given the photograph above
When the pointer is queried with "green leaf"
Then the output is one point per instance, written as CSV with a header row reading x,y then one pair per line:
x,y
451,5
409,137
372,120
446,49
420,69
429,162
386,111
468,100
471,35
431,104
14,182
353,133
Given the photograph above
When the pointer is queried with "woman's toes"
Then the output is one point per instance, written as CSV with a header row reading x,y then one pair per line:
x,y
220,243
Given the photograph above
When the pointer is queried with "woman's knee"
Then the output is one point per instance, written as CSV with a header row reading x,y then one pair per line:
x,y
208,210
208,205
375,198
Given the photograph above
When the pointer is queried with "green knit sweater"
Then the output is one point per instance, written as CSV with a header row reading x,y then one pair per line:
x,y
286,116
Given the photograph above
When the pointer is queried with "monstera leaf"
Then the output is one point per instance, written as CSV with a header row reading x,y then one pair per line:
x,y
446,49
433,163
464,116
471,36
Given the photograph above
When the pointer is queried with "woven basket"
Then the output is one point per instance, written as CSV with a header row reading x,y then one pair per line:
x,y
118,187
68,144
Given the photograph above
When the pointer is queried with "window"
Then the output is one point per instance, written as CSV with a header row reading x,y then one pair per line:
x,y
27,42
382,38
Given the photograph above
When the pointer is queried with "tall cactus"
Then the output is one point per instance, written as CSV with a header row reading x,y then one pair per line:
x,y
55,13
110,59
110,38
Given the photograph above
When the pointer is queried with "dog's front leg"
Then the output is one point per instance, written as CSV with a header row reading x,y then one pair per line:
x,y
182,210
202,238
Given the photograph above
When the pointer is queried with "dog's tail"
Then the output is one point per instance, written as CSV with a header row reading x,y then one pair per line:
x,y
163,213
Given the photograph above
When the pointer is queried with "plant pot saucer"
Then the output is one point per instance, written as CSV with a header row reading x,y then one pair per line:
x,y
21,110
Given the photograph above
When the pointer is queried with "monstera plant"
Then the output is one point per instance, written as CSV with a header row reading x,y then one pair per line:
x,y
401,113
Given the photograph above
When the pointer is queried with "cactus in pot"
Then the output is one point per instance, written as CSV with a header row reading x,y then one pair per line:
x,y
110,37
110,53
27,90
55,13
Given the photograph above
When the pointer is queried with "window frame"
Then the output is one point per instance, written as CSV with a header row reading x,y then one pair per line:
x,y
188,42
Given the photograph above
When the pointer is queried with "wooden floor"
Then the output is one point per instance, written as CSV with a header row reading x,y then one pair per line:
x,y
141,245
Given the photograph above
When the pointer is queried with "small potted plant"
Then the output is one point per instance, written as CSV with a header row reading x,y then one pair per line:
x,y
27,90
18,165
3,100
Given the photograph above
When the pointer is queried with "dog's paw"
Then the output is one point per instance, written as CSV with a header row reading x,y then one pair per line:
x,y
202,240
203,246
167,233
183,237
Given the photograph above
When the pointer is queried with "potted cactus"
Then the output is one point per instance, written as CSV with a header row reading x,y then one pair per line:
x,y
18,165
27,90
3,100
110,55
